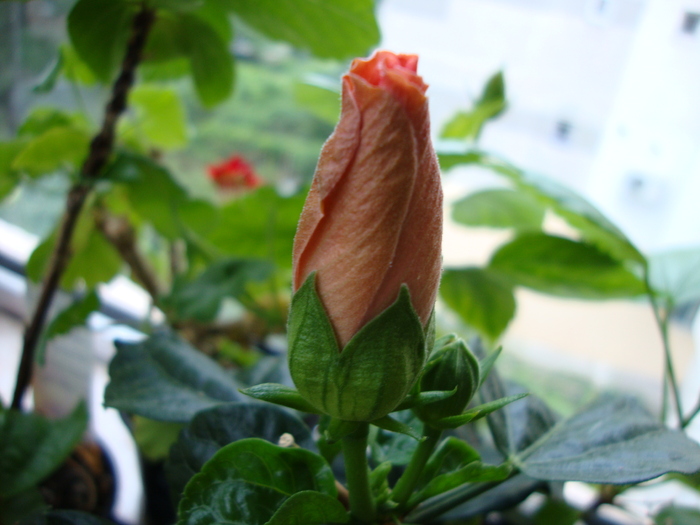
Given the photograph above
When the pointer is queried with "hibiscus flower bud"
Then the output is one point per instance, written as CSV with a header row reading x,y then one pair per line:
x,y
234,173
373,218
368,246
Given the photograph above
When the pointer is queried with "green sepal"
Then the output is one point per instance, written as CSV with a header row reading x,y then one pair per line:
x,y
392,425
373,373
452,366
424,398
337,429
379,482
486,364
475,413
280,395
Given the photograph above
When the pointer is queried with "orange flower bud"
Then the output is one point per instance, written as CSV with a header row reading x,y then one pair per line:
x,y
373,217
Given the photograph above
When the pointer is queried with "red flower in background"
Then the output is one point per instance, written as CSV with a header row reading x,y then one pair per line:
x,y
234,173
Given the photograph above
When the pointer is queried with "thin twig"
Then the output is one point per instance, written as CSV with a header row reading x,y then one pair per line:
x,y
120,233
100,151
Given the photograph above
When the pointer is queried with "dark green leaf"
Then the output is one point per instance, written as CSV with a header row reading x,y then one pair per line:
x,y
201,298
216,427
66,517
261,224
31,446
210,61
379,481
612,440
392,425
474,472
483,299
74,68
24,508
337,429
75,315
563,267
475,413
451,455
676,274
499,208
98,30
154,438
393,447
280,395
673,515
309,508
328,28
165,379
160,117
247,481
556,511
60,147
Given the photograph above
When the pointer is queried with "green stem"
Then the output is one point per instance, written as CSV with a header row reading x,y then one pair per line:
x,y
407,482
441,503
662,323
357,474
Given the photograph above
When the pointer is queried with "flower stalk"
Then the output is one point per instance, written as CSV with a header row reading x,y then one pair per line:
x,y
362,506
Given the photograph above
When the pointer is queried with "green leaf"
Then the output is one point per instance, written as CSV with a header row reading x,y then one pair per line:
x,y
486,364
309,508
320,100
468,125
66,517
98,31
451,455
474,472
31,446
425,398
210,61
165,379
142,178
675,515
74,315
379,482
391,446
337,429
280,395
327,28
216,427
476,413
9,177
392,425
74,69
563,267
482,298
22,507
499,208
201,298
48,82
676,274
93,261
160,116
247,481
612,440
57,148
43,119
556,511
261,224
154,438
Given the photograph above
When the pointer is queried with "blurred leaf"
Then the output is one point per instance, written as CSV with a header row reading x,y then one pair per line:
x,y
42,119
211,63
98,31
48,82
261,224
563,267
468,124
499,208
573,208
177,5
154,438
160,115
676,274
612,440
322,101
236,485
201,298
216,427
56,148
673,515
66,517
310,508
31,446
143,179
73,67
23,507
93,260
215,13
9,177
165,379
74,315
327,28
556,511
482,299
